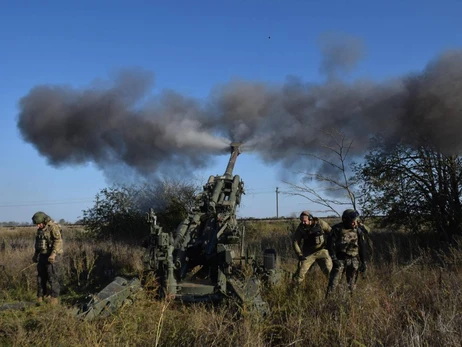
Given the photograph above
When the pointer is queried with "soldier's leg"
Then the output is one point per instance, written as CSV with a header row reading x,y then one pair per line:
x,y
54,277
42,276
324,261
351,272
334,276
302,268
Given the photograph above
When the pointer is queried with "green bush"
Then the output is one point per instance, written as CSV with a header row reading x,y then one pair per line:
x,y
120,211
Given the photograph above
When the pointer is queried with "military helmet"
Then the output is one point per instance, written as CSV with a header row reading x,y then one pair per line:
x,y
350,215
306,213
40,217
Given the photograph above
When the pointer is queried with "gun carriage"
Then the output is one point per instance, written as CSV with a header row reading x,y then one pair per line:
x,y
205,258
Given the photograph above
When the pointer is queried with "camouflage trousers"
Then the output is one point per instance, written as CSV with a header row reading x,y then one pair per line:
x,y
48,273
350,266
321,257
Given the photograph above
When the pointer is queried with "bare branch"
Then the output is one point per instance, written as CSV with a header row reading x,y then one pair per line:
x,y
340,147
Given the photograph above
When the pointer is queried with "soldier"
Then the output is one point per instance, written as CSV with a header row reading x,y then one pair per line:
x,y
48,251
346,245
309,243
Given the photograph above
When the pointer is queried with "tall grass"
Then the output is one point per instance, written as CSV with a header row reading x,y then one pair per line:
x,y
410,296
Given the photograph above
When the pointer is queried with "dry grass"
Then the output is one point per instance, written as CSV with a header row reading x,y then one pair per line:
x,y
410,297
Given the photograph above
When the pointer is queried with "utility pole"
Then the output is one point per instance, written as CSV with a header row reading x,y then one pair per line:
x,y
277,203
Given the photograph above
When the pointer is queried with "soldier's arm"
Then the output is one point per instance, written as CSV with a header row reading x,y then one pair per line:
x,y
297,238
331,245
361,246
364,228
325,227
57,239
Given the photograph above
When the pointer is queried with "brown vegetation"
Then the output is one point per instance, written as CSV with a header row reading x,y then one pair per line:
x,y
410,296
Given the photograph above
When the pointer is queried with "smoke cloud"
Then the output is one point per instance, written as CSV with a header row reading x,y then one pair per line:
x,y
116,122
340,54
119,121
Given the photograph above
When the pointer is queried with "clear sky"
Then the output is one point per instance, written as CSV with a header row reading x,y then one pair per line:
x,y
191,46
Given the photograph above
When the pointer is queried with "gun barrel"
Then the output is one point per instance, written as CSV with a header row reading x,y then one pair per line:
x,y
235,151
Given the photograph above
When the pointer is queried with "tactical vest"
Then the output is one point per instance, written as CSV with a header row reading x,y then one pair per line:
x,y
44,242
41,244
313,238
347,242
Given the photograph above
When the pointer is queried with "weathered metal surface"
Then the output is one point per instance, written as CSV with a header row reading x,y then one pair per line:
x,y
204,257
110,299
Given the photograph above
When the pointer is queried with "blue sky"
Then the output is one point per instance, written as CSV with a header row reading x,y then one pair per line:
x,y
191,46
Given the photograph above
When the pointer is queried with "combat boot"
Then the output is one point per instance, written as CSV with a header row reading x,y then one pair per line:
x,y
53,301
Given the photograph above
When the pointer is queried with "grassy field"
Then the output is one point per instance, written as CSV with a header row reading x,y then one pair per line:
x,y
410,296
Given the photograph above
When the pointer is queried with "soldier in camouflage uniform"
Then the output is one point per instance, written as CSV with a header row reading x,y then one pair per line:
x,y
346,245
309,243
48,251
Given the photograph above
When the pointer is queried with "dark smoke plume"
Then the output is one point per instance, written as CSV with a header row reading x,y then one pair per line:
x,y
340,54
121,122
114,123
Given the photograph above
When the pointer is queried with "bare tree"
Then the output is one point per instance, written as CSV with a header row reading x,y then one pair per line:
x,y
333,184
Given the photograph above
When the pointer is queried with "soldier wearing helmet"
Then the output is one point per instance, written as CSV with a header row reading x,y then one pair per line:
x,y
309,243
346,247
48,250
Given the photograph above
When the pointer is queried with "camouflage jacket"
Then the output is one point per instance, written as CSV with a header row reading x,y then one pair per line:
x,y
347,243
309,239
48,239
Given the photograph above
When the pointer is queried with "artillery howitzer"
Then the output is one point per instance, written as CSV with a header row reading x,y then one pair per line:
x,y
205,258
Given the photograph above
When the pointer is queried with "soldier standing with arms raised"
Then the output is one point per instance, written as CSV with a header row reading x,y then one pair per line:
x,y
346,245
309,243
48,251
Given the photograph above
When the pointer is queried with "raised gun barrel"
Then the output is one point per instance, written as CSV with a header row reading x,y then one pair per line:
x,y
203,258
235,151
